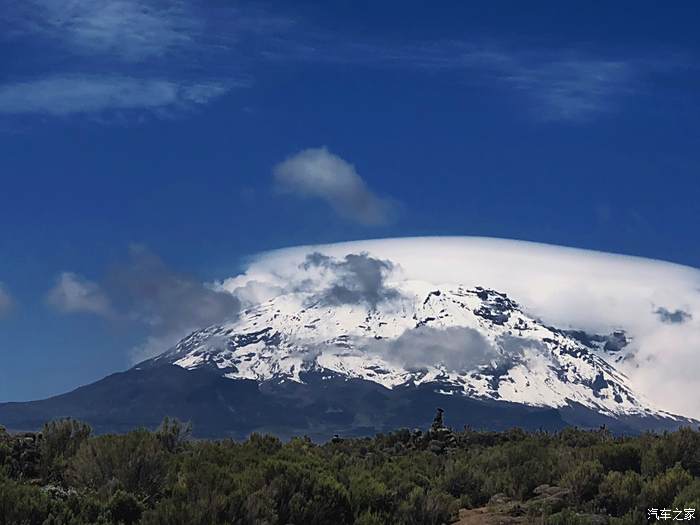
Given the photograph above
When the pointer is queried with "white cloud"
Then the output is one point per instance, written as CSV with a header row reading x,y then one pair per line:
x,y
567,84
132,30
318,173
6,301
566,287
63,95
107,37
572,89
75,294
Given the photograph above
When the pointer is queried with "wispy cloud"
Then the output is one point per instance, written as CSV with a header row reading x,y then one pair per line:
x,y
124,55
318,173
573,89
6,301
63,95
556,85
131,30
210,42
73,293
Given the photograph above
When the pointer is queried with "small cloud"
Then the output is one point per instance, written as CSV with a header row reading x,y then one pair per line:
x,y
318,173
354,279
64,95
153,346
165,300
6,301
168,303
675,317
75,294
455,348
252,292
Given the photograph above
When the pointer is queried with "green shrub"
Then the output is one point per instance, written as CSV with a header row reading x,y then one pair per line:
x,y
60,441
135,462
462,480
163,478
661,491
583,480
124,508
618,492
369,518
367,494
426,508
688,497
620,456
173,434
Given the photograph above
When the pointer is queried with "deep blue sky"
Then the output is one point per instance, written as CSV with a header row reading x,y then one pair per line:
x,y
568,123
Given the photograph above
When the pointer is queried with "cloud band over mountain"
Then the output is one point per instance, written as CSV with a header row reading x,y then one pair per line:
x,y
567,287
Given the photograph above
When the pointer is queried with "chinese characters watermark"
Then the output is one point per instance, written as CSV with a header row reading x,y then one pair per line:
x,y
671,514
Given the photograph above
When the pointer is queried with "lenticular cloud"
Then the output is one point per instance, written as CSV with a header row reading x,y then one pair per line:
x,y
565,287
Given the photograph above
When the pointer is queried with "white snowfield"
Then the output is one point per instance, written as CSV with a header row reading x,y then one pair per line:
x,y
463,341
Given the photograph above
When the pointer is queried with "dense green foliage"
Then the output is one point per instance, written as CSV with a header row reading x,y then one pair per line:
x,y
164,478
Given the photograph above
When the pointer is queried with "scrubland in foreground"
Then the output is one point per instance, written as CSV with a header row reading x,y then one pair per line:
x,y
65,475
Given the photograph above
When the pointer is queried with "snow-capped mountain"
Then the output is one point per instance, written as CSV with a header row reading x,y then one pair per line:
x,y
465,342
326,360
360,338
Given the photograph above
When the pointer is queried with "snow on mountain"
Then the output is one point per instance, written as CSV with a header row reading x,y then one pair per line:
x,y
474,342
656,303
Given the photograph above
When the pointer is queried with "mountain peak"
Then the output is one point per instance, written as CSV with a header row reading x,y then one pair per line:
x,y
475,342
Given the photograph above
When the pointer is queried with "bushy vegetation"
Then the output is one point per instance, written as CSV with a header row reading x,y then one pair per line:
x,y
68,476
